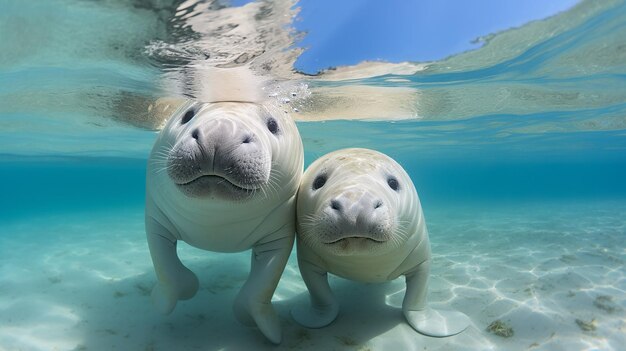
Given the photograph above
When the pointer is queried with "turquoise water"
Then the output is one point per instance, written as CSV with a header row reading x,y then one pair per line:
x,y
517,149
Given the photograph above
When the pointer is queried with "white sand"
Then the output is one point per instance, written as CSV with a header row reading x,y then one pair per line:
x,y
82,282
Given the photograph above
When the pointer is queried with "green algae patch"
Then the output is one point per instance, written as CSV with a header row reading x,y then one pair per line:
x,y
605,303
500,328
586,326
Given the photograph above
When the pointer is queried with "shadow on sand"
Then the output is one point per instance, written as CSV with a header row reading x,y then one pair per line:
x,y
119,315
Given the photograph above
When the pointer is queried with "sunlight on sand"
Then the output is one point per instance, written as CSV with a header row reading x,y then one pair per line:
x,y
553,276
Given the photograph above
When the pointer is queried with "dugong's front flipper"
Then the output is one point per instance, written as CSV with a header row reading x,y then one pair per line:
x,y
324,307
253,305
175,281
425,320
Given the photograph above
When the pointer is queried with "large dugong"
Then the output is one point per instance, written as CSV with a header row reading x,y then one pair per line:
x,y
223,177
359,217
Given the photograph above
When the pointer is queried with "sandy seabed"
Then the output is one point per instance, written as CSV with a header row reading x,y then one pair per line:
x,y
551,275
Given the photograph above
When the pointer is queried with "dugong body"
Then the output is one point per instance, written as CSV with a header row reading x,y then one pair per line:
x,y
223,177
359,217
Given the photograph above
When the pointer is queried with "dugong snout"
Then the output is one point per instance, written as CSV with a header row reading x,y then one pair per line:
x,y
217,153
224,132
358,212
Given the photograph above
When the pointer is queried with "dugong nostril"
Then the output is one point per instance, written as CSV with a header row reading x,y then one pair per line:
x,y
378,204
335,205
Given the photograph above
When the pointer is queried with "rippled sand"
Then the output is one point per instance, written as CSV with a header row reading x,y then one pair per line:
x,y
553,273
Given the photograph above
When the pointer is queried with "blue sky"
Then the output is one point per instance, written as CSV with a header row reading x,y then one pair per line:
x,y
345,32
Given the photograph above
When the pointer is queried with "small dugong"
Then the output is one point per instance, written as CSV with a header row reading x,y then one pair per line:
x,y
359,217
223,177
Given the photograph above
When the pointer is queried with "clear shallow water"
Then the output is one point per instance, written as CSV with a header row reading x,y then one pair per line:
x,y
81,279
517,150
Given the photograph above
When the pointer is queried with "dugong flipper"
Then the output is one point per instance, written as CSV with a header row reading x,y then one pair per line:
x,y
324,306
427,321
174,280
253,303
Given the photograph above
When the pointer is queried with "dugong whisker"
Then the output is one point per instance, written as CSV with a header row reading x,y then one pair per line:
x,y
274,183
308,218
278,172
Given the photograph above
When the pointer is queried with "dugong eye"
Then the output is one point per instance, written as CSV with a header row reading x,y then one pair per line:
x,y
393,183
188,116
272,125
319,181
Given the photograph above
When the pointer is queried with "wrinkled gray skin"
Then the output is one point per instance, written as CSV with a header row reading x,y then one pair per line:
x,y
223,177
359,217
